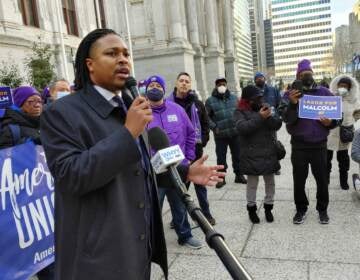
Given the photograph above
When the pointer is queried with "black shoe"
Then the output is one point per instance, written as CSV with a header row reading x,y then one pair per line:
x,y
323,217
219,185
343,180
299,218
172,225
211,219
254,218
356,182
277,173
240,179
268,215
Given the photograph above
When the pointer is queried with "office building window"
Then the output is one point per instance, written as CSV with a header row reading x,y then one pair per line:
x,y
69,13
29,12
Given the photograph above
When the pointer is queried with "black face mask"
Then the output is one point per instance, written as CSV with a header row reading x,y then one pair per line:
x,y
308,80
260,83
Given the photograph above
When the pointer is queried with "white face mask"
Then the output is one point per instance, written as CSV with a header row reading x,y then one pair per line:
x,y
61,94
221,89
343,91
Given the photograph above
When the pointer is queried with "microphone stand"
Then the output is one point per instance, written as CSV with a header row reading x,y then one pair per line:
x,y
214,239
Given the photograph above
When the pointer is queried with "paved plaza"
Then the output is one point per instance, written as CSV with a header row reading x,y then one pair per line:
x,y
279,250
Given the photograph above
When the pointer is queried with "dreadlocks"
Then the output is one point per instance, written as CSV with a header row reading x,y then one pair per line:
x,y
81,71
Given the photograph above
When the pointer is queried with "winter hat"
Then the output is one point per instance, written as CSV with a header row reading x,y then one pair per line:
x,y
304,65
345,80
250,92
157,79
221,79
46,93
21,94
259,75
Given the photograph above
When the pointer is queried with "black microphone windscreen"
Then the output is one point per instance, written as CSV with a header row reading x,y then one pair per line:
x,y
130,82
158,139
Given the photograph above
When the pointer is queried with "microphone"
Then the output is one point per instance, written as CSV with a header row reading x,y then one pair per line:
x,y
131,85
166,158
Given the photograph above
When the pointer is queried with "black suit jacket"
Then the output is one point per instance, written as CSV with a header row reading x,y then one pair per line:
x,y
99,192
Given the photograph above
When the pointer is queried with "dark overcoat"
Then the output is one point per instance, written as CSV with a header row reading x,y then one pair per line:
x,y
100,226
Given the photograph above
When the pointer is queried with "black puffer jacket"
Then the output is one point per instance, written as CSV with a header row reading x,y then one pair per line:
x,y
29,128
257,142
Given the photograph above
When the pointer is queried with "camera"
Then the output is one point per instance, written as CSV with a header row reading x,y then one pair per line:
x,y
298,85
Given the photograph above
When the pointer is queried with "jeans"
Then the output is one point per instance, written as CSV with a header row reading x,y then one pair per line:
x,y
221,151
317,159
251,188
178,211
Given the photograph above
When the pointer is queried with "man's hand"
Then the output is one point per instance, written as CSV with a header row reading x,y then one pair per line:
x,y
325,121
205,175
294,96
138,116
265,112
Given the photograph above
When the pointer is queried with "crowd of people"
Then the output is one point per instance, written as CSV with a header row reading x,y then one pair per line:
x,y
85,159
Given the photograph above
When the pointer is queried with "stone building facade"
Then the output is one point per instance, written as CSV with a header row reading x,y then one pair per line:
x,y
168,36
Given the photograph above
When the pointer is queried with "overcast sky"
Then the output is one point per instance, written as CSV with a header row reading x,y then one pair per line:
x,y
340,12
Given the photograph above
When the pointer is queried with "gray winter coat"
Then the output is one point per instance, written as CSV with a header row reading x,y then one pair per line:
x,y
257,142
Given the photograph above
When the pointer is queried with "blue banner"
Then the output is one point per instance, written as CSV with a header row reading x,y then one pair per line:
x,y
5,97
315,107
26,212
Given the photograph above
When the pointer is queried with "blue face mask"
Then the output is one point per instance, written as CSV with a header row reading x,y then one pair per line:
x,y
155,94
61,94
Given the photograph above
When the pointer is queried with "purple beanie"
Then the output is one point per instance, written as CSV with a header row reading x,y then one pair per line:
x,y
157,79
303,65
21,94
46,93
142,83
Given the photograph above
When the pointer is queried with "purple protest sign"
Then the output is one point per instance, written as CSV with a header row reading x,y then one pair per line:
x,y
5,97
315,107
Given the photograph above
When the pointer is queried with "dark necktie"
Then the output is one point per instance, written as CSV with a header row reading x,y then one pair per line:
x,y
121,105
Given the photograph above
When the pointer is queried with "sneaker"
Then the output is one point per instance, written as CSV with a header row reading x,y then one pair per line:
x,y
323,217
219,185
356,182
240,179
193,243
299,218
211,219
172,225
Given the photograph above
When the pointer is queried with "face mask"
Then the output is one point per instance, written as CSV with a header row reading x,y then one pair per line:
x,y
343,91
155,94
142,90
260,83
308,80
61,94
221,89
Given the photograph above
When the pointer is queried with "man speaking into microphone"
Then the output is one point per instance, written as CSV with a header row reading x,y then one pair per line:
x,y
107,219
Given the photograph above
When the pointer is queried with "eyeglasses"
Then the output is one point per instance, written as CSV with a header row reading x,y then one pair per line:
x,y
34,102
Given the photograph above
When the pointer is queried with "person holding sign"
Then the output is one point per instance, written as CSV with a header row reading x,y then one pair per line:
x,y
341,137
308,142
108,223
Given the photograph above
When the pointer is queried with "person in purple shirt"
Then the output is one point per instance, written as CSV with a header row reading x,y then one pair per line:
x,y
173,119
308,143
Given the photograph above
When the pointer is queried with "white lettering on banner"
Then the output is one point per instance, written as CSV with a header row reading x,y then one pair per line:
x,y
320,108
35,215
4,98
39,256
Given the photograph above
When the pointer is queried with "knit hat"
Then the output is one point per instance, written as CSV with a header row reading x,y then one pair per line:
x,y
221,79
303,65
346,81
157,79
259,75
21,94
250,92
46,93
